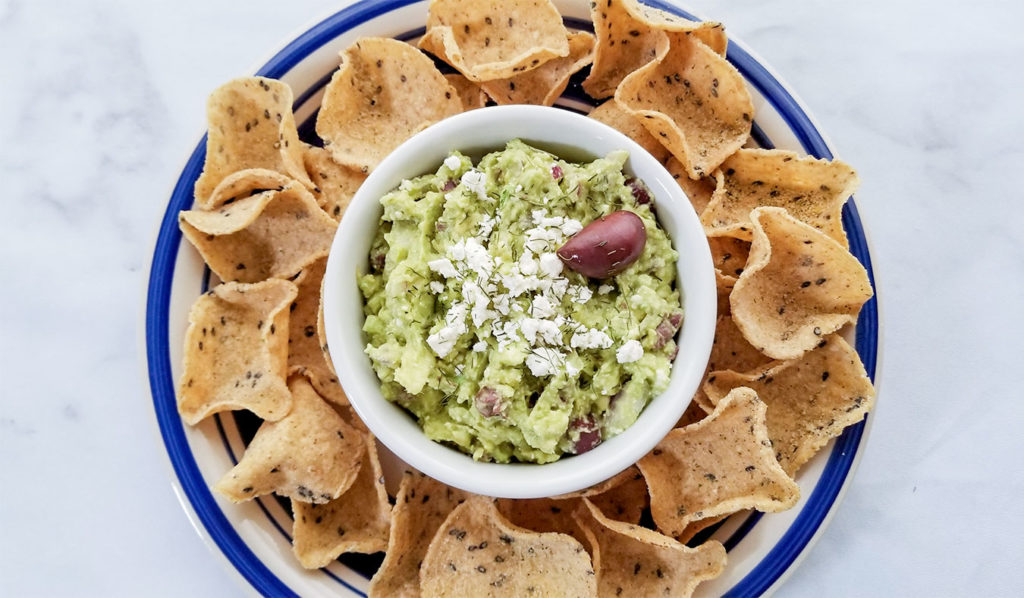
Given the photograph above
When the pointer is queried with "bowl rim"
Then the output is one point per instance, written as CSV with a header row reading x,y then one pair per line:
x,y
406,438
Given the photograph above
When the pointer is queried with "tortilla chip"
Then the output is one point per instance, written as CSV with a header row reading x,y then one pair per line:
x,y
724,284
698,191
625,502
695,411
543,515
719,465
544,84
476,552
492,39
384,92
798,287
273,234
357,521
615,117
697,527
729,254
304,353
470,93
422,505
634,561
693,100
310,455
812,191
242,184
620,478
730,351
810,400
251,126
236,351
629,35
335,184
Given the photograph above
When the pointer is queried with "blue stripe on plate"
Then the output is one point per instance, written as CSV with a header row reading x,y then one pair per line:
x,y
162,269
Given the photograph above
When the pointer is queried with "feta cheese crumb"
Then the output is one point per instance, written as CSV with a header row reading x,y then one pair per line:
x,y
486,226
452,162
480,346
629,352
605,289
543,362
590,339
444,267
475,181
543,307
570,227
436,287
550,264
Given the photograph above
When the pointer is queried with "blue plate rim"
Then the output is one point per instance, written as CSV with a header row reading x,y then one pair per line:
x,y
759,580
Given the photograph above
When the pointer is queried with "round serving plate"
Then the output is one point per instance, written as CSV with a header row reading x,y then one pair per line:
x,y
255,537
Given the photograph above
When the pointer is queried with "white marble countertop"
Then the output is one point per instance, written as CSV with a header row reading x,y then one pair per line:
x,y
101,101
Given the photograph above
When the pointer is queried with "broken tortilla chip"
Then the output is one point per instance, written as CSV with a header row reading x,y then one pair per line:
x,y
251,126
543,515
335,184
698,191
693,101
810,400
625,502
305,355
273,234
477,552
236,351
630,34
357,521
812,191
491,39
310,455
544,84
696,527
799,285
384,92
421,507
720,465
634,561
620,478
724,284
615,117
729,255
470,93
730,351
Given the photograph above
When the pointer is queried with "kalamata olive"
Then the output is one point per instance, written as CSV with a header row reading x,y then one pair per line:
x,y
667,329
488,402
590,434
606,246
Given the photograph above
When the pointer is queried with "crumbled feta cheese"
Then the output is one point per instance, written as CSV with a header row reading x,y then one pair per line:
x,y
527,265
457,252
486,226
475,181
444,267
436,287
629,352
571,369
581,294
443,341
543,362
605,289
550,264
458,369
570,227
479,346
590,339
452,162
543,307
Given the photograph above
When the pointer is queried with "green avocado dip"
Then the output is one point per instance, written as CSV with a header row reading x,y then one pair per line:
x,y
477,329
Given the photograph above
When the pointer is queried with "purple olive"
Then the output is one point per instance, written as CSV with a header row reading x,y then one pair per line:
x,y
488,402
606,246
590,434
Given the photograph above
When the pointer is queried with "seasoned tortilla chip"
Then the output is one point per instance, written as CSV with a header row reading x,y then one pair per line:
x,y
422,505
693,100
615,117
242,184
798,287
625,502
699,191
719,465
310,455
304,352
492,39
476,552
543,515
544,84
629,35
384,92
812,191
729,254
724,284
697,527
251,126
635,561
357,521
620,478
730,351
236,351
810,399
470,93
695,411
273,234
335,184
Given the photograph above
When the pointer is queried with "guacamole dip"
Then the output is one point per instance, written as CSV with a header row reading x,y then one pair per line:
x,y
478,330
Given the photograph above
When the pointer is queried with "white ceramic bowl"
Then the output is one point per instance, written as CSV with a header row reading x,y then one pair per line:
x,y
476,133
